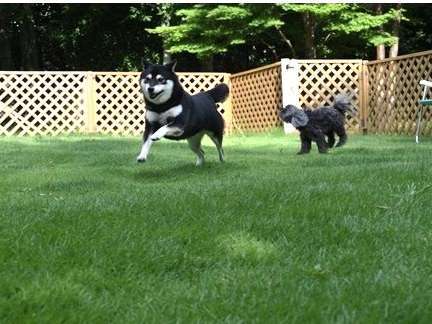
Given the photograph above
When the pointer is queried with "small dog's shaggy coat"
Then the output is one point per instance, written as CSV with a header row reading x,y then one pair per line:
x,y
315,125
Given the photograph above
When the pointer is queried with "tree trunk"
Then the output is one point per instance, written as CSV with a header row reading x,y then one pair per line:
x,y
207,63
287,41
166,11
28,44
309,25
6,62
394,49
167,58
380,48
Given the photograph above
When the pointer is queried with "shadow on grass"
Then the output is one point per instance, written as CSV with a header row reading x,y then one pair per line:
x,y
180,171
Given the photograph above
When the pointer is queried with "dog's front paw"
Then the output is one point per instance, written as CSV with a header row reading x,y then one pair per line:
x,y
199,162
155,138
141,159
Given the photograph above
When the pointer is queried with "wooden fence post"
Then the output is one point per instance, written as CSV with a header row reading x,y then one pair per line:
x,y
363,97
290,87
227,106
89,102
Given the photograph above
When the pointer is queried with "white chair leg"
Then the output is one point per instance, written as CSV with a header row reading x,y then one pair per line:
x,y
418,124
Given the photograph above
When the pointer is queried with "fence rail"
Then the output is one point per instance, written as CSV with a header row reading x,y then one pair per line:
x,y
385,94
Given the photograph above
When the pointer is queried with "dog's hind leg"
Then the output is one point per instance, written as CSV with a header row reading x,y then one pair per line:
x,y
195,145
217,140
342,137
331,139
318,136
322,145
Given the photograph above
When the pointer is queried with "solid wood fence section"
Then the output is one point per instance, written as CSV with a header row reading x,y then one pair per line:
x,y
321,80
256,99
394,92
41,103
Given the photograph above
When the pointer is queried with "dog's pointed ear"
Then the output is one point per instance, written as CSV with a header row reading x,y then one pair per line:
x,y
299,118
171,65
144,63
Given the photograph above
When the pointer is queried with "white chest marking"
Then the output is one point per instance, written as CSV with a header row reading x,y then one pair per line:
x,y
161,118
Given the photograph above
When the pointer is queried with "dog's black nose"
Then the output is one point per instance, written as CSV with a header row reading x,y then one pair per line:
x,y
150,90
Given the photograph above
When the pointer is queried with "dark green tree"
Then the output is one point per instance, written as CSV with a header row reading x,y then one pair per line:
x,y
209,29
344,19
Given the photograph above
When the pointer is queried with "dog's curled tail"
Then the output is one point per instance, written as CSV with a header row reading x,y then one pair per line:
x,y
219,93
342,102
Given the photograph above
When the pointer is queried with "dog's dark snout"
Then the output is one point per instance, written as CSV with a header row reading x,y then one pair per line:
x,y
150,89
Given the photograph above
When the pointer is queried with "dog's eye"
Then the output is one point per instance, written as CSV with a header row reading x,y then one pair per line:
x,y
161,80
147,79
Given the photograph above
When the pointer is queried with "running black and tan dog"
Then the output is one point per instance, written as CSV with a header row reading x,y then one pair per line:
x,y
174,114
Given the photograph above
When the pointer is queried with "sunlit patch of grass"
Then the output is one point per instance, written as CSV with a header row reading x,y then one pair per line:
x,y
244,246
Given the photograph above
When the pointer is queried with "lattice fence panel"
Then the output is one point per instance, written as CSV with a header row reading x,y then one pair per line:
x,y
394,92
320,81
256,99
120,106
41,103
197,82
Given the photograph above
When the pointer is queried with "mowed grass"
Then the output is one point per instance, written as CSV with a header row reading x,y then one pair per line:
x,y
87,235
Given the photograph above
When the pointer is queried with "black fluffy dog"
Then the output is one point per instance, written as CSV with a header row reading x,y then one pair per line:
x,y
315,125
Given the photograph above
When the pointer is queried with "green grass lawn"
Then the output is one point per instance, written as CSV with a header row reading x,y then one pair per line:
x,y
87,235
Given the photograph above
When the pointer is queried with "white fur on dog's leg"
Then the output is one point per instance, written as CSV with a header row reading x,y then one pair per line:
x,y
142,157
166,130
218,146
161,132
200,161
195,145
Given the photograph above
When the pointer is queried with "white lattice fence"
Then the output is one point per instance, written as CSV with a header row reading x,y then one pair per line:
x,y
51,103
321,80
41,103
196,82
120,106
